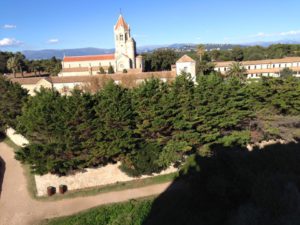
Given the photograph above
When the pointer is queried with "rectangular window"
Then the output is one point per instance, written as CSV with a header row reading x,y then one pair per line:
x,y
121,37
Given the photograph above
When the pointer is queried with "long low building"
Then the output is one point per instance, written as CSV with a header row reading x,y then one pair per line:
x,y
90,83
267,67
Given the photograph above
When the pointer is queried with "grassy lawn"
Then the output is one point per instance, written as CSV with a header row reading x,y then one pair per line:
x,y
132,212
119,186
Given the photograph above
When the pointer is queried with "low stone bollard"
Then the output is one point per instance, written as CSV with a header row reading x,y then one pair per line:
x,y
51,190
62,188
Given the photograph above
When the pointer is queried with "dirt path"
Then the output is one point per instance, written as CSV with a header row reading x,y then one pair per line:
x,y
18,208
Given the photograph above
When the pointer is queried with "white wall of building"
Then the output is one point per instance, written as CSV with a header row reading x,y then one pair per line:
x,y
94,63
261,67
186,67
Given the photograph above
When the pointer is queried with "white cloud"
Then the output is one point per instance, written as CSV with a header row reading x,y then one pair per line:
x,y
9,26
53,41
289,33
9,42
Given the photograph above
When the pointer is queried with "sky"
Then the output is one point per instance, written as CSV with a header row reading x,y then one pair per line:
x,y
61,24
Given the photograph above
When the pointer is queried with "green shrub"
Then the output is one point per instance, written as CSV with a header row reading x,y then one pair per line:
x,y
142,161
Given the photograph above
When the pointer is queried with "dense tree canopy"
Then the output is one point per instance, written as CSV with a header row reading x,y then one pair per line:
x,y
12,97
150,127
255,52
160,60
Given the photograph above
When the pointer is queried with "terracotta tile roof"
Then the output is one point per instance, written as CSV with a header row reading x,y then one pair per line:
x,y
28,81
89,58
121,23
185,58
265,61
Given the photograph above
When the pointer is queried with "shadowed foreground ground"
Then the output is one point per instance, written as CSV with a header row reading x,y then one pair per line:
x,y
235,187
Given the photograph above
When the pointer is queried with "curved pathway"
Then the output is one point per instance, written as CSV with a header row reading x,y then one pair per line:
x,y
18,208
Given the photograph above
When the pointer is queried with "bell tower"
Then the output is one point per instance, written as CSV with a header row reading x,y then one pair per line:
x,y
124,43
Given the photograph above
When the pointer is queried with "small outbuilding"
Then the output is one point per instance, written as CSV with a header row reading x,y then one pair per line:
x,y
186,65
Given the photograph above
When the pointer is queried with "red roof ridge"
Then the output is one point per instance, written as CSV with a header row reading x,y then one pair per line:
x,y
185,58
89,58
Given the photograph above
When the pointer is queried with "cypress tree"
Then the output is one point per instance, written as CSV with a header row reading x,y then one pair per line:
x,y
115,122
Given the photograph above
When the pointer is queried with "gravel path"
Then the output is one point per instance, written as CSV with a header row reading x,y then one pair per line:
x,y
18,208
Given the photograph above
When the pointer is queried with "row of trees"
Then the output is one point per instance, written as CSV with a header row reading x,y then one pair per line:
x,y
254,53
12,98
17,63
147,128
162,59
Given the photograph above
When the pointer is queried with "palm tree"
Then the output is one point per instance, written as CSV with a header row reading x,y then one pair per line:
x,y
200,51
236,69
21,60
13,64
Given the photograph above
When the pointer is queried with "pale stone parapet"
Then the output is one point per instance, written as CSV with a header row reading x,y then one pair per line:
x,y
16,138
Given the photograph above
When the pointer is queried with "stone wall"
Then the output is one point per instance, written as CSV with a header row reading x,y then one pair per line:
x,y
110,174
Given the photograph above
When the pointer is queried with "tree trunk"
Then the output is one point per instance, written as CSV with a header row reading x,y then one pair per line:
x,y
21,72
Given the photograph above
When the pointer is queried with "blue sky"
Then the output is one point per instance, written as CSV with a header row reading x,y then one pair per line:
x,y
57,24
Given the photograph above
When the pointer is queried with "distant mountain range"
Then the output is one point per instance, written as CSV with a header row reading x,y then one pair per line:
x,y
60,53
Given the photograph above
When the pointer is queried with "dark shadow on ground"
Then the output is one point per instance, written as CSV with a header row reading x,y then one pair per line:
x,y
2,136
2,172
235,187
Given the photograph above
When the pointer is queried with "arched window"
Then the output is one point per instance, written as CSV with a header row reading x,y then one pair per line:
x,y
121,37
